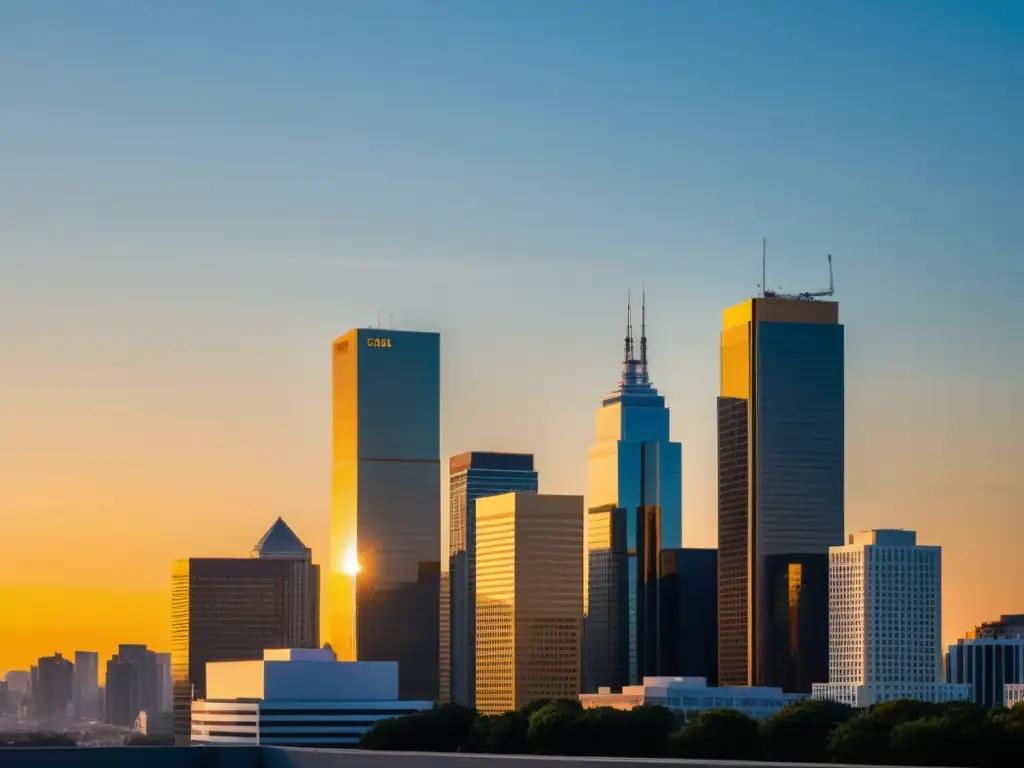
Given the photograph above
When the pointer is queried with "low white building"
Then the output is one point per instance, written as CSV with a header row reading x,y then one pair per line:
x,y
690,696
297,698
885,622
1013,694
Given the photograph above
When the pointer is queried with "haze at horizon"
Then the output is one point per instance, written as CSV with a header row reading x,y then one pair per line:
x,y
196,199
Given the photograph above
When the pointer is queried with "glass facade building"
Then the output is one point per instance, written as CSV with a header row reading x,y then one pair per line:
x,y
634,495
472,476
689,613
529,599
385,566
780,488
231,609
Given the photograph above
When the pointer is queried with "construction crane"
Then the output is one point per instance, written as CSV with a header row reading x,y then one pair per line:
x,y
806,295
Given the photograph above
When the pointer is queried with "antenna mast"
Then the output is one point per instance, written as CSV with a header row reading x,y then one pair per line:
x,y
764,265
643,334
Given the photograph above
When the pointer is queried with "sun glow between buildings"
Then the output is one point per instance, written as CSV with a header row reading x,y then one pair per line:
x,y
350,561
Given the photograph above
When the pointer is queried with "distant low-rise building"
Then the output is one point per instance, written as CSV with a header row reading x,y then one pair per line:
x,y
1007,625
297,698
689,696
1013,694
987,664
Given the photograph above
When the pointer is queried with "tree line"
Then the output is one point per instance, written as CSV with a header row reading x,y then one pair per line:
x,y
894,733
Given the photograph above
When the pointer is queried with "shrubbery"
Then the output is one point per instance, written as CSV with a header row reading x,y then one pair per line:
x,y
895,733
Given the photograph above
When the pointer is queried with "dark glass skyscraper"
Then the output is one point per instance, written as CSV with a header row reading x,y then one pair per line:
x,y
780,488
689,613
232,609
473,476
386,491
132,684
634,504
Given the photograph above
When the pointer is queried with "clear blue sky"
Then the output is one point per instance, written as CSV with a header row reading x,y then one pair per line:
x,y
196,197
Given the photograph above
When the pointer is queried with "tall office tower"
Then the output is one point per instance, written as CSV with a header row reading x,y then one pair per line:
x,y
885,621
689,613
6,699
529,599
231,609
386,491
473,476
55,688
987,665
87,685
132,684
165,697
780,488
635,501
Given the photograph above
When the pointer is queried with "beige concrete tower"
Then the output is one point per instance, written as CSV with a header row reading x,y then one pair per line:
x,y
529,599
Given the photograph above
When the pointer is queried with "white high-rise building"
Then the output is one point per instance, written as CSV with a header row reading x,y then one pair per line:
x,y
885,622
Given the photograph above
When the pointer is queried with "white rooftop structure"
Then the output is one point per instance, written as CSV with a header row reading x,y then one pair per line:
x,y
692,695
304,674
297,697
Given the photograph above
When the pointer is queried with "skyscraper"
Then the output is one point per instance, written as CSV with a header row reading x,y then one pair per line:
x,y
231,609
472,476
885,622
165,695
87,685
132,684
54,690
386,516
635,510
529,599
689,613
780,488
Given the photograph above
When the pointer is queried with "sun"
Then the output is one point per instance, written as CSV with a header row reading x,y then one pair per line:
x,y
350,561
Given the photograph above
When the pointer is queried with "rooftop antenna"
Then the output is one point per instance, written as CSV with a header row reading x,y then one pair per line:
x,y
764,265
378,317
391,321
629,327
643,333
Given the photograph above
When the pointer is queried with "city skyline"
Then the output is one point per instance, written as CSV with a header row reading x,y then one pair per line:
x,y
180,247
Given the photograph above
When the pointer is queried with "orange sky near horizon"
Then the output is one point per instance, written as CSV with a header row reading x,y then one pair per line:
x,y
85,562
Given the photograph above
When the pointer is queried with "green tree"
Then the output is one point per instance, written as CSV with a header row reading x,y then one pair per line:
x,y
717,734
442,729
1010,723
800,733
501,735
865,738
649,729
964,736
555,728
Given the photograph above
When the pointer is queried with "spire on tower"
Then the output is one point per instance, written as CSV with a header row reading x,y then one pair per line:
x,y
643,335
629,330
